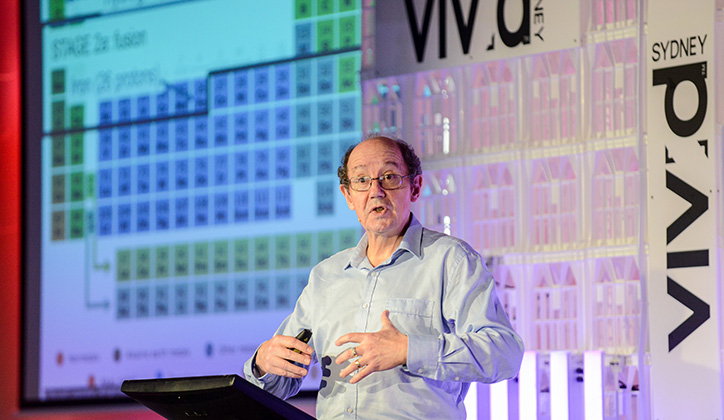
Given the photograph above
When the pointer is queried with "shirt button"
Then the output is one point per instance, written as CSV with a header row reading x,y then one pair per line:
x,y
349,410
420,370
365,306
457,378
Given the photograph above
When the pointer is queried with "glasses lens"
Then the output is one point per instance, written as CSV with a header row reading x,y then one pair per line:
x,y
390,181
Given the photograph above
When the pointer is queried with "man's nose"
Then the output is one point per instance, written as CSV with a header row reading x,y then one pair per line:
x,y
376,188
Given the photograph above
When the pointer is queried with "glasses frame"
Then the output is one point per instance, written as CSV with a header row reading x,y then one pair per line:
x,y
379,180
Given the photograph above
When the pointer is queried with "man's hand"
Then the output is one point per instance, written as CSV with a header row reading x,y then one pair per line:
x,y
276,356
382,350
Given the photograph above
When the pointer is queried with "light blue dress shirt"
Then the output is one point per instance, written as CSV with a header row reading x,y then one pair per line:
x,y
439,293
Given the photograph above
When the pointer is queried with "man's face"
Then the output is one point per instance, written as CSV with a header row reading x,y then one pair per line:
x,y
382,212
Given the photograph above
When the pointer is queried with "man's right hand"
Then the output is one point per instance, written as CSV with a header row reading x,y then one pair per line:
x,y
276,356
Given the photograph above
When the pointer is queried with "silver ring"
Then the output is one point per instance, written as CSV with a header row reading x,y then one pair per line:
x,y
356,362
354,352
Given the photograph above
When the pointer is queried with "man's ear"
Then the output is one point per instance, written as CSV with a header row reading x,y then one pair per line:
x,y
416,188
345,193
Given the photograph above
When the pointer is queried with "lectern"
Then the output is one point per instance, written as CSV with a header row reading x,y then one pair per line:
x,y
223,397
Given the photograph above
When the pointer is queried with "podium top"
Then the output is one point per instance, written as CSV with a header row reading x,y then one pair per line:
x,y
222,397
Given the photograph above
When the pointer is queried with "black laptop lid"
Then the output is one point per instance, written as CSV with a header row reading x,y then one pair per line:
x,y
224,397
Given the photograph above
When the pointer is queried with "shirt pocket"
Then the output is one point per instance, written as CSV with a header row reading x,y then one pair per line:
x,y
411,316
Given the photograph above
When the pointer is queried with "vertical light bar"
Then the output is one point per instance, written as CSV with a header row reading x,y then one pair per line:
x,y
471,402
559,385
593,385
499,401
528,387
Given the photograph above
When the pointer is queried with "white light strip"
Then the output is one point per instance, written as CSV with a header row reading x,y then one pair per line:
x,y
499,401
471,402
593,385
559,385
528,387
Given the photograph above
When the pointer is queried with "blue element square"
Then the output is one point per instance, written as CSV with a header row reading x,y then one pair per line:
x,y
201,132
124,181
143,216
241,128
221,130
201,172
162,177
241,87
201,210
181,171
124,218
221,170
163,214
162,142
143,179
181,212
221,209
105,145
241,206
143,140
143,107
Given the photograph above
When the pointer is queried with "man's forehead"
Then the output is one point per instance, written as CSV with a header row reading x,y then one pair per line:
x,y
385,163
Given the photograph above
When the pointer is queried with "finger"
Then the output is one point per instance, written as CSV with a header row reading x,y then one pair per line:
x,y
350,369
349,338
303,347
290,370
346,355
386,323
362,373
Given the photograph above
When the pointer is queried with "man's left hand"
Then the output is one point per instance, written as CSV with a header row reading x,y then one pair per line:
x,y
378,351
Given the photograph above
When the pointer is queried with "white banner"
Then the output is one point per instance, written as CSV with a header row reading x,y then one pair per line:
x,y
418,35
683,310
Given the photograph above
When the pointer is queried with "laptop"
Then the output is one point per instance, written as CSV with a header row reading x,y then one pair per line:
x,y
222,397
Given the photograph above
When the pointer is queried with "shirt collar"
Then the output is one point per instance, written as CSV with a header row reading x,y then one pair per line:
x,y
411,242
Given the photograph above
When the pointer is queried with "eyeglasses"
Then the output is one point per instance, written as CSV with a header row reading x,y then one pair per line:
x,y
387,182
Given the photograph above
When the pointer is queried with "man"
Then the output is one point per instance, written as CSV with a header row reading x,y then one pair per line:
x,y
403,322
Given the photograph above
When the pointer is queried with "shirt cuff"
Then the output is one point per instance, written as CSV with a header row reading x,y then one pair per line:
x,y
250,371
422,354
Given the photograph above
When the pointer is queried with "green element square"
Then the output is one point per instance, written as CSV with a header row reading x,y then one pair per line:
x,y
282,252
58,151
261,253
76,223
241,255
221,257
163,262
302,9
347,5
143,263
348,32
76,149
348,238
90,185
57,81
325,245
123,265
77,116
325,35
181,260
57,194
58,115
57,10
76,186
57,226
347,68
325,7
303,247
201,258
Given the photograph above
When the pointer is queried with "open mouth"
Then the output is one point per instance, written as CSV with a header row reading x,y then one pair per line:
x,y
378,209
